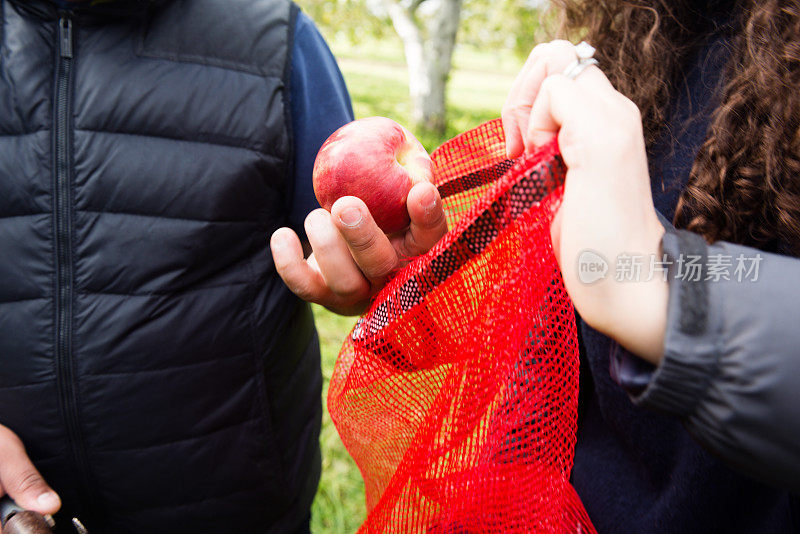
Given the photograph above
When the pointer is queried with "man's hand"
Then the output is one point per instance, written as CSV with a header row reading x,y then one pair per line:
x,y
20,479
352,258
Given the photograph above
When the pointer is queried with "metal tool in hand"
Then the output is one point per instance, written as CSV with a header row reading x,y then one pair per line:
x,y
17,520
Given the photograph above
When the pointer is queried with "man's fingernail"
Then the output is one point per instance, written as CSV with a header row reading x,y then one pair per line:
x,y
48,500
350,217
429,199
278,241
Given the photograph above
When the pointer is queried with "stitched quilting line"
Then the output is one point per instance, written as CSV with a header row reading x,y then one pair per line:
x,y
193,503
23,215
50,382
165,293
170,443
217,140
168,217
17,301
229,142
148,215
170,369
205,61
23,134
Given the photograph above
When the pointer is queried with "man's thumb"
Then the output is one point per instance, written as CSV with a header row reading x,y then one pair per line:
x,y
20,479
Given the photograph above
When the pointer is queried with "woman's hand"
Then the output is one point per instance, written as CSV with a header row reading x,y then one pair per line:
x,y
607,207
352,258
544,60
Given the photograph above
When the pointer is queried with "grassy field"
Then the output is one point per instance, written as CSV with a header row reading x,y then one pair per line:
x,y
377,79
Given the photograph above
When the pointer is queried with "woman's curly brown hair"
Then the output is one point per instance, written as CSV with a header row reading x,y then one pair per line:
x,y
745,183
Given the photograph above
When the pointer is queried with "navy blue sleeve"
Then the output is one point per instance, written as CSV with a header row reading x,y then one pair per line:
x,y
320,104
629,371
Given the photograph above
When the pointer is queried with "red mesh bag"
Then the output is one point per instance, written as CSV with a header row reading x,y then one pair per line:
x,y
457,392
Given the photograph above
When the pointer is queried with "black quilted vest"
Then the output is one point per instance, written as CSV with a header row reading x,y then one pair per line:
x,y
160,374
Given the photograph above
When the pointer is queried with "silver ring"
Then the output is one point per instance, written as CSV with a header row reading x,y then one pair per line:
x,y
585,53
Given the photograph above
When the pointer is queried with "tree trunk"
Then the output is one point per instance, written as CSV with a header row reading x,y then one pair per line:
x,y
428,43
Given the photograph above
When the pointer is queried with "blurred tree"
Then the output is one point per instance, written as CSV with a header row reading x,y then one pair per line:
x,y
428,29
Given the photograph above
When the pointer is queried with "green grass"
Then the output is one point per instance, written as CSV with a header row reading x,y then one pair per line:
x,y
339,505
377,79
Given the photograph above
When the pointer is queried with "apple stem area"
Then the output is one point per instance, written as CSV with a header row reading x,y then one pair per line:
x,y
402,157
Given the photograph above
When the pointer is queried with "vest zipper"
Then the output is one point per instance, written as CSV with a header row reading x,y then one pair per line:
x,y
64,261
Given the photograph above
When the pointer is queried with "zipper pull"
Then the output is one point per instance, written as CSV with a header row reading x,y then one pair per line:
x,y
65,36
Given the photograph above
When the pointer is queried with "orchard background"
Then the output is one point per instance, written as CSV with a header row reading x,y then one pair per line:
x,y
493,40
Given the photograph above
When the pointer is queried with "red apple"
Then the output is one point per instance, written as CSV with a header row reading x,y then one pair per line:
x,y
376,160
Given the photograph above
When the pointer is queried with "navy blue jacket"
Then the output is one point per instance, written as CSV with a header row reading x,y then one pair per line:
x,y
160,374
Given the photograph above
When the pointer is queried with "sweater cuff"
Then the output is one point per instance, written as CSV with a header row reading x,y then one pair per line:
x,y
691,348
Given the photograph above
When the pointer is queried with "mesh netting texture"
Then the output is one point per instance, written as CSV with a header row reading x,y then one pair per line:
x,y
457,392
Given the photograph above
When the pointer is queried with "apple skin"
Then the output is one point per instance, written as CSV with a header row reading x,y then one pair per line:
x,y
376,160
